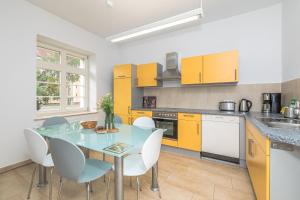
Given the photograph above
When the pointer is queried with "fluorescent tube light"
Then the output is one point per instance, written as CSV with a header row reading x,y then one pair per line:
x,y
160,25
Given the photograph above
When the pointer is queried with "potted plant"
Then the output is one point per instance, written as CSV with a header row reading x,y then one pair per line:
x,y
107,105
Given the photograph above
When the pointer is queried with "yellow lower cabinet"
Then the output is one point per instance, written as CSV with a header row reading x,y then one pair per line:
x,y
258,164
170,142
189,131
140,113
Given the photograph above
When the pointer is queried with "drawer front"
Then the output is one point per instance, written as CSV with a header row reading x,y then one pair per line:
x,y
262,141
221,118
168,142
141,113
189,116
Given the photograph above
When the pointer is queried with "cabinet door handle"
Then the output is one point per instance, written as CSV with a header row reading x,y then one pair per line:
x,y
128,110
188,115
250,147
121,76
235,74
200,77
141,113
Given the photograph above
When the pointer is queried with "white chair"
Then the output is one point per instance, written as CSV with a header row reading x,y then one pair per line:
x,y
38,150
139,164
144,122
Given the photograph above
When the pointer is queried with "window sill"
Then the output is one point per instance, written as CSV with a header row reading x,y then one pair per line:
x,y
38,118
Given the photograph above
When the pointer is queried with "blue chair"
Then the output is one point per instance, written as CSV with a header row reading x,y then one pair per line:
x,y
70,163
117,119
54,121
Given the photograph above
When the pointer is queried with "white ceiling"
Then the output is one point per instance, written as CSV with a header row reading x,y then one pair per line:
x,y
96,17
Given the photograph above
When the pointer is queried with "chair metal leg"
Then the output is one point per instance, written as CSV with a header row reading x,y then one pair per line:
x,y
107,188
50,184
60,188
88,191
137,188
103,159
31,182
156,177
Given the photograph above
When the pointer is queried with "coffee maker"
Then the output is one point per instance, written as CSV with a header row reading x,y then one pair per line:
x,y
271,102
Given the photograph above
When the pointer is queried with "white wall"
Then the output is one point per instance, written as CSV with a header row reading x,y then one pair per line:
x,y
20,22
257,36
290,39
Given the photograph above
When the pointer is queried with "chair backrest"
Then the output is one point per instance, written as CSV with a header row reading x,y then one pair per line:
x,y
144,122
69,161
151,148
54,121
37,146
117,119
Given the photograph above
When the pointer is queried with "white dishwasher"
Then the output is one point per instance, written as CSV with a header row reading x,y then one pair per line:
x,y
221,137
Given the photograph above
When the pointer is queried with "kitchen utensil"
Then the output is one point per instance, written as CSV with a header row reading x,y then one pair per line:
x,y
289,112
266,108
297,113
245,105
227,105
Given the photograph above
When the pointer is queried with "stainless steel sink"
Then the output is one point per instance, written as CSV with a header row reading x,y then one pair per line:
x,y
281,122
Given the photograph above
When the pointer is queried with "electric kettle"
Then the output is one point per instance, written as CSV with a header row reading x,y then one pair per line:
x,y
245,105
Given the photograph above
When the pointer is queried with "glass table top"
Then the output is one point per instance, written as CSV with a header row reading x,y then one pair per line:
x,y
132,136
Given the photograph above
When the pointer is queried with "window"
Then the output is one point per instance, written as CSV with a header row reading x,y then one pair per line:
x,y
61,80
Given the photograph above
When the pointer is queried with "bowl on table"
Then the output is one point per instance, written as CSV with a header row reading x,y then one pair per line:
x,y
89,124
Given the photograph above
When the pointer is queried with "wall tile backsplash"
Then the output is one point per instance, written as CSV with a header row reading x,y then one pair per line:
x,y
208,96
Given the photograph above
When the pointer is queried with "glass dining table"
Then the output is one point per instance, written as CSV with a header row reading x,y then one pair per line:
x,y
129,136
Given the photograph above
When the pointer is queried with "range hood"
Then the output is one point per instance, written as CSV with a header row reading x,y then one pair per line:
x,y
171,73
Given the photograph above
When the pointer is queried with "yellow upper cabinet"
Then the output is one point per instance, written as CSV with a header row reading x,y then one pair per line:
x,y
220,67
147,74
191,70
189,131
123,71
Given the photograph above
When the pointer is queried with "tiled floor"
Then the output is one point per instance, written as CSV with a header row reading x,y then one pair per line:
x,y
181,178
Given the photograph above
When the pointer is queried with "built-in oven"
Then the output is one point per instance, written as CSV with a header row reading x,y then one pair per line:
x,y
168,121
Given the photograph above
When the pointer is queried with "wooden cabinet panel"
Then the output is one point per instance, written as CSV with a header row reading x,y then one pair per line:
x,y
261,140
220,67
140,113
191,70
147,75
258,163
189,131
123,71
122,96
170,142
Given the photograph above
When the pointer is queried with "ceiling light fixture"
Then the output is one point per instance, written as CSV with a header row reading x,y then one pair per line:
x,y
183,18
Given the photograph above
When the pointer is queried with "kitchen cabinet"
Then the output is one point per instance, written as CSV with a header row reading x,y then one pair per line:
x,y
147,75
123,71
140,113
258,161
125,93
170,142
189,131
192,70
220,67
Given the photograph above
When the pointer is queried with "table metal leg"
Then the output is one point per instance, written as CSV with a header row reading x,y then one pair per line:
x,y
42,176
154,185
119,190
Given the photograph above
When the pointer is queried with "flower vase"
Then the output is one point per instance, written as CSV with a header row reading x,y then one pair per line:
x,y
107,121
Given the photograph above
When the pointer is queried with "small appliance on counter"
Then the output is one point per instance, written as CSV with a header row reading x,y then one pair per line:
x,y
271,102
245,105
227,105
149,102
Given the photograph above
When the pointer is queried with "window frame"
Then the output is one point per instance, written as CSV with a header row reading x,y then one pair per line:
x,y
63,69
